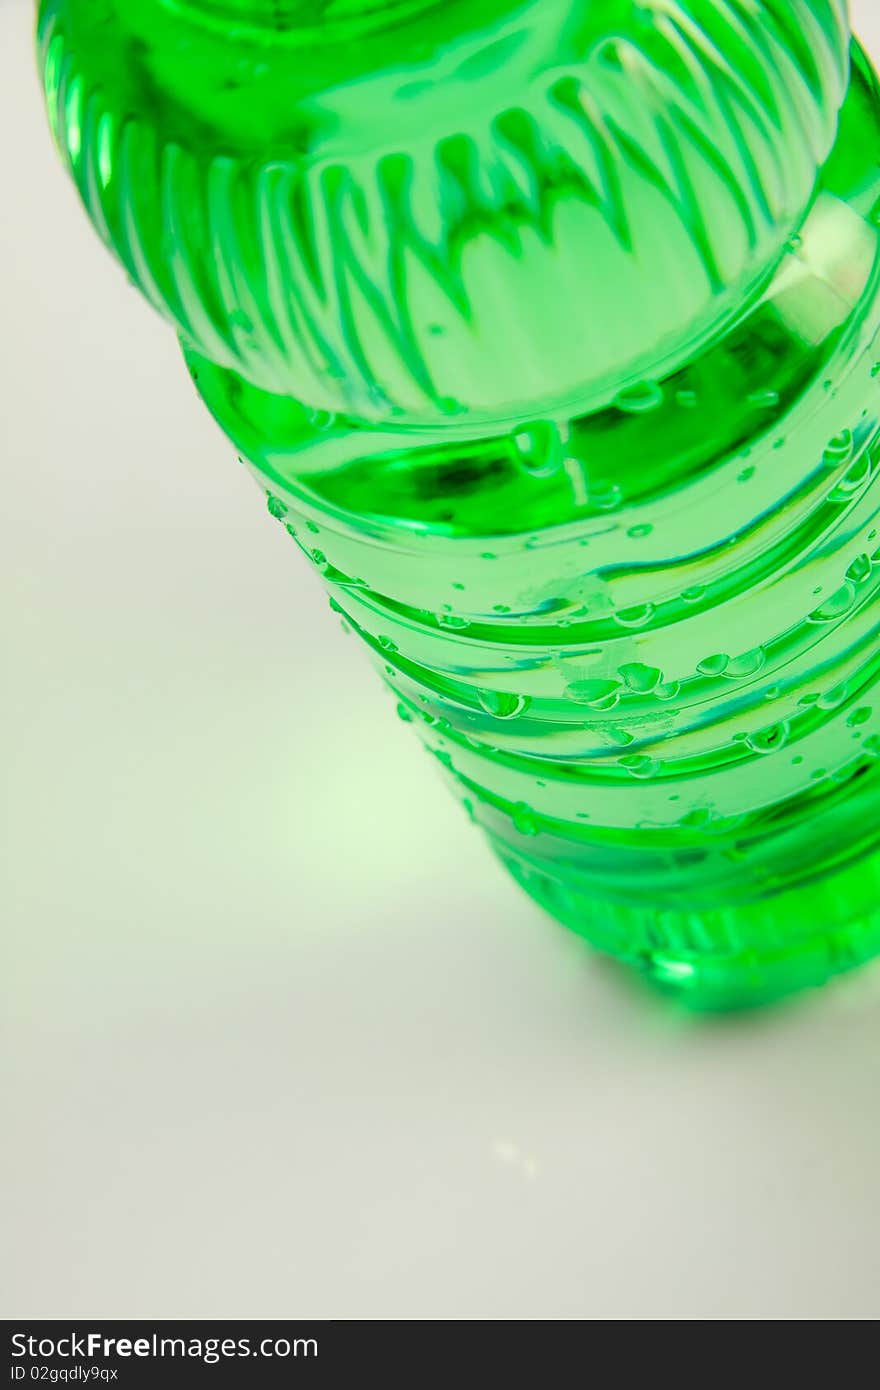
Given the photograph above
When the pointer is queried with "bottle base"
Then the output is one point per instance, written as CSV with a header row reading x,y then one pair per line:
x,y
732,957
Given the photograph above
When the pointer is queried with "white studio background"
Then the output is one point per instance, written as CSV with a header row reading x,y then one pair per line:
x,y
280,1037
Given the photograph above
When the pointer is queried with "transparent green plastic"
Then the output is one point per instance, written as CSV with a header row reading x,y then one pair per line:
x,y
550,329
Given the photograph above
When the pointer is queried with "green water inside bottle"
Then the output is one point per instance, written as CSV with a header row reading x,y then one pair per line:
x,y
550,330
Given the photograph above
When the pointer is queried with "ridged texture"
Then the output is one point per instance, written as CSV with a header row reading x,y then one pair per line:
x,y
623,577
663,703
666,149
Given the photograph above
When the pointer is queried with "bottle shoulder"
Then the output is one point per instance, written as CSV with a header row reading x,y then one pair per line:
x,y
473,207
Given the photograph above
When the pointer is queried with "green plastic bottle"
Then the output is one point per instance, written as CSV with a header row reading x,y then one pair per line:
x,y
550,329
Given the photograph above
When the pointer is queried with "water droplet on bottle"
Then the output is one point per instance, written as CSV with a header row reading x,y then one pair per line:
x,y
860,569
641,678
668,691
539,448
640,765
500,608
458,586
622,737
488,555
840,602
859,716
598,693
640,398
452,621
694,593
501,704
404,714
638,533
321,419
833,698
604,495
764,400
524,819
769,740
714,665
858,475
749,664
386,644
838,450
747,474
638,616
276,507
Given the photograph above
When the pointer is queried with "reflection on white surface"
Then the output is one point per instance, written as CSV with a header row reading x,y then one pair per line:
x,y
282,1037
